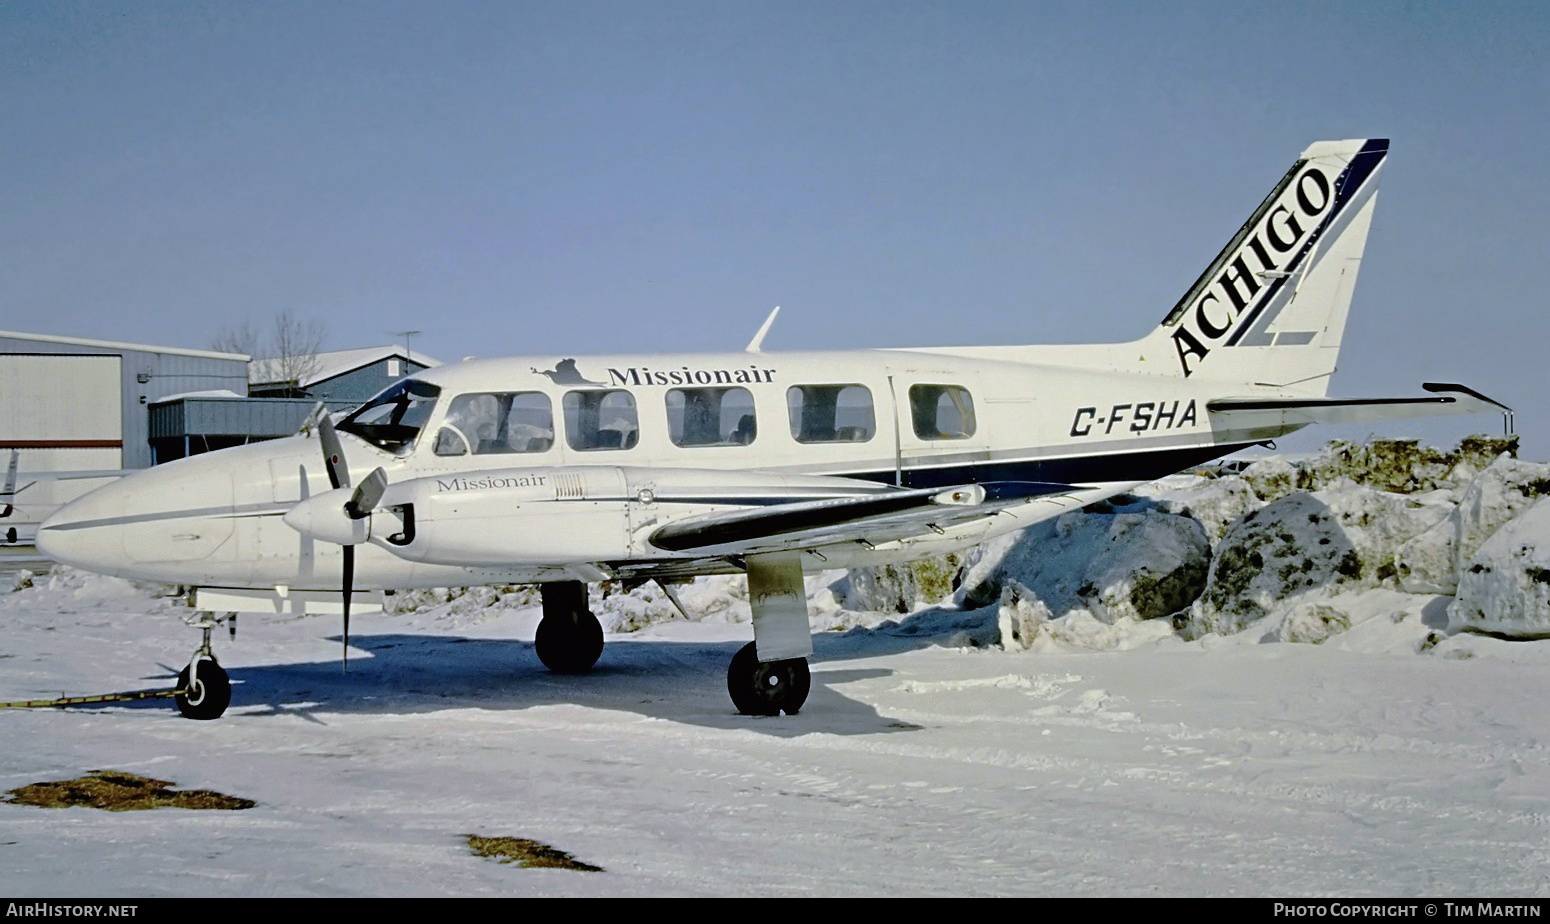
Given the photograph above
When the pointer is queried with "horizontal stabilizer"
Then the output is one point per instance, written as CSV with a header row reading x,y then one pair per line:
x,y
1445,399
874,517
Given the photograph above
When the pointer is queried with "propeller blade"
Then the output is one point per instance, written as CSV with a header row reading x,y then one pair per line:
x,y
333,454
367,494
349,590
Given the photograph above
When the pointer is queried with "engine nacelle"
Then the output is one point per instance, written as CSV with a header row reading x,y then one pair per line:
x,y
493,517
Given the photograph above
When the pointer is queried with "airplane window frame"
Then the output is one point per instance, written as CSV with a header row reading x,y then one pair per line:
x,y
490,431
409,404
921,413
713,432
627,439
817,427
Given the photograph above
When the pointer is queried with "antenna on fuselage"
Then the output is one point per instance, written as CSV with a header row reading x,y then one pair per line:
x,y
758,339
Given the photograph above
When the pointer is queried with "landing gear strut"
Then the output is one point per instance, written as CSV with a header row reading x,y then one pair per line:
x,y
206,688
570,638
779,681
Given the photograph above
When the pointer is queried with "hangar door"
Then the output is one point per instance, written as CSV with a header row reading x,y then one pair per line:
x,y
63,412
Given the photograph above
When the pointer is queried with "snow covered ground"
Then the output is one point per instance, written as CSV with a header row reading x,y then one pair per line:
x,y
1216,751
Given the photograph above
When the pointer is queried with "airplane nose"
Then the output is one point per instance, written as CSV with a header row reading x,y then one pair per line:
x,y
146,524
79,534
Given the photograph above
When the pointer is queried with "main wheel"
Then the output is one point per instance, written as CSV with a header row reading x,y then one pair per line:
x,y
569,645
209,694
767,687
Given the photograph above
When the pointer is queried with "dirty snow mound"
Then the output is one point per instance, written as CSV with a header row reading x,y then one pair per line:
x,y
1432,561
1343,537
1506,588
1114,568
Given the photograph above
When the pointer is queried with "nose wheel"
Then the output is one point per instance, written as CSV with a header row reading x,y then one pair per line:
x,y
205,688
767,687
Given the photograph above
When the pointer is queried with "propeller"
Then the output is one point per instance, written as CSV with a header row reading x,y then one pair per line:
x,y
362,501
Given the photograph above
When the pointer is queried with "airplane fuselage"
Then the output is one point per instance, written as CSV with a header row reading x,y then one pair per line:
x,y
560,468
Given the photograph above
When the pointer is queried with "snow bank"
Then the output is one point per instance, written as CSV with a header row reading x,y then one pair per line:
x,y
1397,466
1432,561
1119,568
1506,588
1343,537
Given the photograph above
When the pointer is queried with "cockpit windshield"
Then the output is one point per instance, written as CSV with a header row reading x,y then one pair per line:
x,y
392,420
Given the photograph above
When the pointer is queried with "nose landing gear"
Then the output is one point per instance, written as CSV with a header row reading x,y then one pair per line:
x,y
205,689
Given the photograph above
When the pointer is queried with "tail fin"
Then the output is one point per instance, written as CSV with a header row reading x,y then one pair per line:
x,y
1272,306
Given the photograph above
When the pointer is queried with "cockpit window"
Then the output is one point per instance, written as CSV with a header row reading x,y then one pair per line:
x,y
392,420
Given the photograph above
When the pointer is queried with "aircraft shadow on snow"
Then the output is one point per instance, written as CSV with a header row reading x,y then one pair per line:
x,y
684,682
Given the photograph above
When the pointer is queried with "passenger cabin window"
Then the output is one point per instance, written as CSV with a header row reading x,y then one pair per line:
x,y
494,423
392,420
830,413
600,420
942,412
710,416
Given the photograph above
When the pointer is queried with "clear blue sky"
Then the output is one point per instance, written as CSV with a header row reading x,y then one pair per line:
x,y
573,177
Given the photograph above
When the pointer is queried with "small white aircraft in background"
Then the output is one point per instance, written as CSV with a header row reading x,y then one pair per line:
x,y
565,471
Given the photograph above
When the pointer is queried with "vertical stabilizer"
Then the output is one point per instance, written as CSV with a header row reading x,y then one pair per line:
x,y
1272,306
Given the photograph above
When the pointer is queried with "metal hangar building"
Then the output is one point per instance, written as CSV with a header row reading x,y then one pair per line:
x,y
72,404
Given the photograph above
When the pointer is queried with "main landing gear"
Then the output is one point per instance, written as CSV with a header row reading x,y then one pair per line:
x,y
570,639
769,675
767,687
205,688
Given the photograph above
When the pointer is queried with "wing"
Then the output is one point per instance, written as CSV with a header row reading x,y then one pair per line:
x,y
871,518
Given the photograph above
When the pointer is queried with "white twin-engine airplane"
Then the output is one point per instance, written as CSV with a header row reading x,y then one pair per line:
x,y
567,471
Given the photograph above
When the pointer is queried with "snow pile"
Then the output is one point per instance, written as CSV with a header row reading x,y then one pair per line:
x,y
1113,568
1342,537
70,590
456,607
1294,548
1397,466
902,588
1432,562
1506,588
1215,503
716,598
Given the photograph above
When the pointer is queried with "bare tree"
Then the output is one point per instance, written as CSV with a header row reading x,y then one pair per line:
x,y
243,339
289,353
296,347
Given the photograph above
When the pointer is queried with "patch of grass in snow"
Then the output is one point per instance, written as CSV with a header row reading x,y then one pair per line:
x,y
117,791
526,853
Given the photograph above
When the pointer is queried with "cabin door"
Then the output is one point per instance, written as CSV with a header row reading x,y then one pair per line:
x,y
939,438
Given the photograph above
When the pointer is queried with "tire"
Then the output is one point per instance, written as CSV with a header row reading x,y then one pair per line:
x,y
211,694
767,687
569,646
